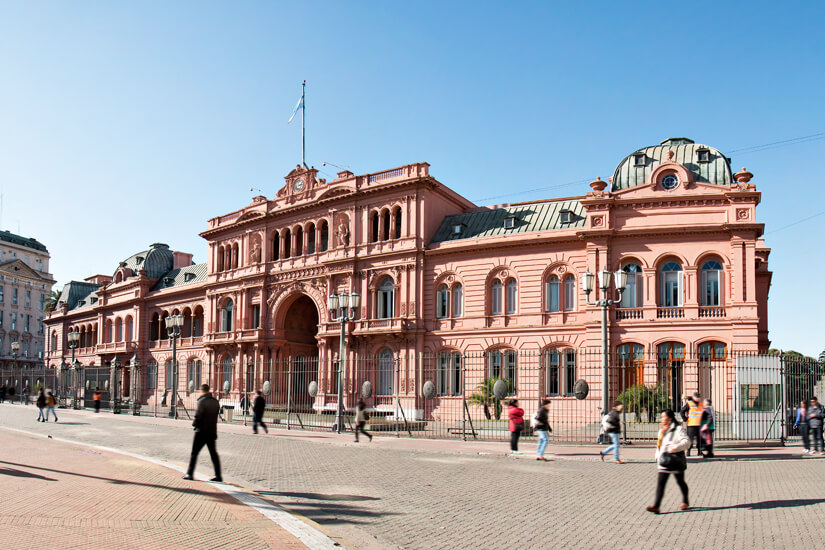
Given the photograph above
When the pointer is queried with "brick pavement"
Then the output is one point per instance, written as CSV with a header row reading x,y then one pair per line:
x,y
60,495
424,494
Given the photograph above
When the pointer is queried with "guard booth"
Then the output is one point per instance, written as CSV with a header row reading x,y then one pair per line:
x,y
758,398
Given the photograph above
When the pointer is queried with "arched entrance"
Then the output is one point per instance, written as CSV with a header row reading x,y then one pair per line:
x,y
298,364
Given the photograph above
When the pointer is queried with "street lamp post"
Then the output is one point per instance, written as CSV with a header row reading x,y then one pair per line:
x,y
345,306
115,385
174,323
604,303
74,340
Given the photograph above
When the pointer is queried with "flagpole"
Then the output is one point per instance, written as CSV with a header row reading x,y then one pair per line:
x,y
303,124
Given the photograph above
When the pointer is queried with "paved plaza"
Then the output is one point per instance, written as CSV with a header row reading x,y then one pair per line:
x,y
400,493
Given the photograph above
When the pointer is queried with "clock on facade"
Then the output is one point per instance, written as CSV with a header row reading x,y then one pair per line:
x,y
670,182
298,185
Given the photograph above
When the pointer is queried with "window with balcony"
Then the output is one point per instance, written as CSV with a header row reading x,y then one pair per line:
x,y
672,278
632,295
276,246
324,245
256,316
226,316
396,216
287,243
374,225
711,278
311,239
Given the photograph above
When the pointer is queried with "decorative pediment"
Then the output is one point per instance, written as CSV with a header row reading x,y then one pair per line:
x,y
248,215
18,268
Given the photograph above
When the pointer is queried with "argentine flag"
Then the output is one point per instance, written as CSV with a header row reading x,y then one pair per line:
x,y
298,107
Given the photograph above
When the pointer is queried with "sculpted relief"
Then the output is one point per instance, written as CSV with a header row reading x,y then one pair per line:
x,y
342,230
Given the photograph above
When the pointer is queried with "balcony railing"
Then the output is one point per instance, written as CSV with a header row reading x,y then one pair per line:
x,y
711,311
670,312
628,313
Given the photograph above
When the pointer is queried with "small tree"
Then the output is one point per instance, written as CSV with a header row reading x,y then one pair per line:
x,y
52,300
484,396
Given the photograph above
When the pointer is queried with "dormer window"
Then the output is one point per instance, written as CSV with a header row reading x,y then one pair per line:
x,y
703,155
566,216
188,277
167,281
93,300
509,221
139,260
458,228
639,159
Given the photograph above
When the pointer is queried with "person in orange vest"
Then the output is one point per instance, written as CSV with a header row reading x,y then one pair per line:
x,y
694,421
98,394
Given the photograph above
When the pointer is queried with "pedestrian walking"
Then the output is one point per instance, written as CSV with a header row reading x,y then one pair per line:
x,y
361,418
41,404
541,425
801,424
50,403
708,427
258,407
206,433
815,416
2,393
516,416
613,430
98,395
685,408
670,459
694,421
25,395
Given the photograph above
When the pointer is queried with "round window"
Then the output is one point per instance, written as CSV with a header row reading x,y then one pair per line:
x,y
670,182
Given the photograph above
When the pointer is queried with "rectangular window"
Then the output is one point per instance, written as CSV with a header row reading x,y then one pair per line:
x,y
512,297
42,302
494,369
551,292
14,296
458,299
495,308
119,331
14,321
569,293
26,323
1,293
672,289
25,348
441,302
170,375
443,378
457,386
40,325
193,376
710,282
639,160
152,376
256,316
28,298
553,374
758,397
1,319
569,371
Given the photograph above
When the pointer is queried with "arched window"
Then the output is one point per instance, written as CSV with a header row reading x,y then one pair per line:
x,y
118,277
287,243
226,316
386,364
193,375
396,215
197,322
569,293
512,296
226,374
164,335
276,246
129,328
712,366
448,379
670,371
385,299
311,239
458,299
630,361
551,294
235,255
711,294
220,258
299,241
560,366
54,341
108,336
632,295
118,329
375,224
385,225
154,327
186,329
495,298
442,300
502,364
671,278
324,236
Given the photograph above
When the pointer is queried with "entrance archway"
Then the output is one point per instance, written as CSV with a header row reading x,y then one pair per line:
x,y
299,358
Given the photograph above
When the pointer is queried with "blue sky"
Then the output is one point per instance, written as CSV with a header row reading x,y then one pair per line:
x,y
124,124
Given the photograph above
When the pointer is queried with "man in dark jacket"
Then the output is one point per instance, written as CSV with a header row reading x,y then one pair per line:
x,y
613,430
258,407
206,432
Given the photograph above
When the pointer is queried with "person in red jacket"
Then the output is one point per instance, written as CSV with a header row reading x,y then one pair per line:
x,y
516,416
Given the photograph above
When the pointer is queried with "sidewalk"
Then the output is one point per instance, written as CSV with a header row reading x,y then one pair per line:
x,y
59,495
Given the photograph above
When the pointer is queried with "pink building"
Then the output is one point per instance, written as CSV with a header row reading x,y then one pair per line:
x,y
442,280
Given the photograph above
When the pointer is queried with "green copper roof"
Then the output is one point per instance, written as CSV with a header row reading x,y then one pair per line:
x,y
22,241
182,276
715,171
157,261
526,218
75,292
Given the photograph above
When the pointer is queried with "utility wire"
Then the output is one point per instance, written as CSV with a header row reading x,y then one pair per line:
x,y
797,222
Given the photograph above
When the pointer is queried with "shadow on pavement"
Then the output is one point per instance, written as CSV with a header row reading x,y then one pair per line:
x,y
764,505
20,473
215,496
319,496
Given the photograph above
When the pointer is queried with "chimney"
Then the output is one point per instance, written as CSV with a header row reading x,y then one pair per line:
x,y
181,259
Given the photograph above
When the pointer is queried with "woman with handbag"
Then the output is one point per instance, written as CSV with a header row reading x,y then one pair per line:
x,y
671,459
516,416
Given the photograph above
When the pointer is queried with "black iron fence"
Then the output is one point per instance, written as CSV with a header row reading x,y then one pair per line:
x,y
453,394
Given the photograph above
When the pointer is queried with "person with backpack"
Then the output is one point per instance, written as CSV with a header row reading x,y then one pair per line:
x,y
612,424
361,418
541,425
516,424
50,404
41,404
670,459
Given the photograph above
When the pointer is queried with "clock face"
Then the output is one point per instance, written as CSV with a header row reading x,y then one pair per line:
x,y
298,185
670,182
